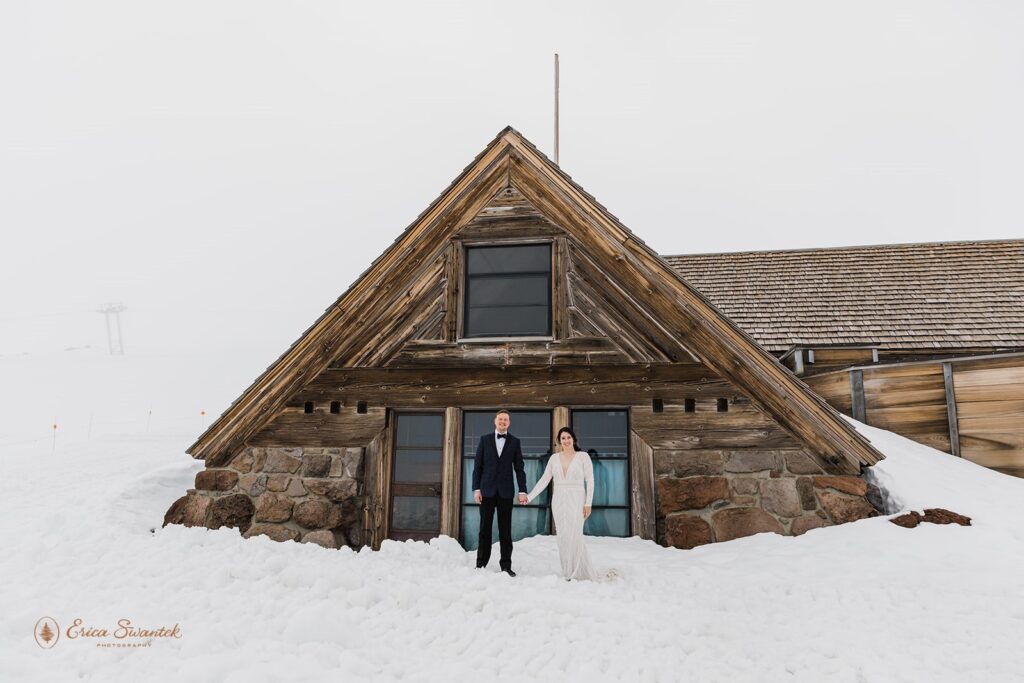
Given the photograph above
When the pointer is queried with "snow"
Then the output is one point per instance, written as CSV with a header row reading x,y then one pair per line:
x,y
81,538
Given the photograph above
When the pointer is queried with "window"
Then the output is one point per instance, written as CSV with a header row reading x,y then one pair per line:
x,y
508,291
533,429
604,434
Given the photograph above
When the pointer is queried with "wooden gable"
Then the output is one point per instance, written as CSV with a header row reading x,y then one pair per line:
x,y
615,303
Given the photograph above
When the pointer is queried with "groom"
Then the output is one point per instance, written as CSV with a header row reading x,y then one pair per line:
x,y
496,456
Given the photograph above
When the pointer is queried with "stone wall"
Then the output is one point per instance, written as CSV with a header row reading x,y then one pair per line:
x,y
310,495
719,495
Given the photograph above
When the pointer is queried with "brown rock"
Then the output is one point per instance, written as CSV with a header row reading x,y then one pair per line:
x,y
908,520
741,501
842,508
805,488
801,463
802,525
189,510
689,463
739,522
274,531
259,456
691,493
245,482
750,461
325,538
278,482
685,531
335,490
242,462
744,485
273,507
942,516
318,465
282,460
780,497
235,510
258,486
347,463
216,480
295,488
855,486
317,514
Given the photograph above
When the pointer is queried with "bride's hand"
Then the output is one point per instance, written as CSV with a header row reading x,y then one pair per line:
x,y
586,511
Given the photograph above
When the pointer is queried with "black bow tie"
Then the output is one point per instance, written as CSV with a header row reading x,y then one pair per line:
x,y
501,436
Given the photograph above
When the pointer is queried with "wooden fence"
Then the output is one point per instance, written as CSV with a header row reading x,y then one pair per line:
x,y
970,407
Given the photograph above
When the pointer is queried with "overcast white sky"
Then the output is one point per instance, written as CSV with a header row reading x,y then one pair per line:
x,y
226,169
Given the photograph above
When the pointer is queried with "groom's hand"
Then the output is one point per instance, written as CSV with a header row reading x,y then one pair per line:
x,y
478,497
523,500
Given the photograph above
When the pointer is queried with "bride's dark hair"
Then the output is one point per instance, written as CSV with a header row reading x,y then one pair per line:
x,y
558,439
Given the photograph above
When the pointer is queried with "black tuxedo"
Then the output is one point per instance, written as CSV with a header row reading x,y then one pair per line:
x,y
492,476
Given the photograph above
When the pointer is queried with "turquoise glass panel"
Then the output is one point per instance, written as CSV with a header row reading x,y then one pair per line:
x,y
607,522
526,522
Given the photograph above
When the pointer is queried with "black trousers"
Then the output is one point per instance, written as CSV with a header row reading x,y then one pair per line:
x,y
483,551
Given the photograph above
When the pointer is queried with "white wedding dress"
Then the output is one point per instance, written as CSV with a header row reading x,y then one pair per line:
x,y
567,501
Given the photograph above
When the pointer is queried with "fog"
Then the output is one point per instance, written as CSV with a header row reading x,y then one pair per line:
x,y
227,169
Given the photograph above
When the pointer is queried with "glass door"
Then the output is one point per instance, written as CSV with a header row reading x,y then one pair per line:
x,y
604,434
416,476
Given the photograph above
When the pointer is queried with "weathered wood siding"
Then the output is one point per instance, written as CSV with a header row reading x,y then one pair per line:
x,y
984,422
990,411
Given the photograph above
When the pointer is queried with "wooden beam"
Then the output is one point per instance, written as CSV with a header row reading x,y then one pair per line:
x,y
451,473
954,429
514,386
641,466
857,395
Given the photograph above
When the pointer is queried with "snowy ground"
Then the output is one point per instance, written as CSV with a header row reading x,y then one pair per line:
x,y
867,601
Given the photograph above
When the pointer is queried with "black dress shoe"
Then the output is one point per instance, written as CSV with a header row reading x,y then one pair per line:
x,y
509,571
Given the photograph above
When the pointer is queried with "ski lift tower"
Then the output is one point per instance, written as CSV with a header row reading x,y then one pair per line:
x,y
113,310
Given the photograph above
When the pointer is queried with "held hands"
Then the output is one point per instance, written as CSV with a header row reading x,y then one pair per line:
x,y
586,511
478,497
523,500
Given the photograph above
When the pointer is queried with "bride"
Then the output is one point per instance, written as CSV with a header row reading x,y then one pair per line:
x,y
570,468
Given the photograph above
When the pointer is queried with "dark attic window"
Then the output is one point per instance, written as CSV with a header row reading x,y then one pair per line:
x,y
689,405
308,407
335,407
658,405
508,291
361,407
723,405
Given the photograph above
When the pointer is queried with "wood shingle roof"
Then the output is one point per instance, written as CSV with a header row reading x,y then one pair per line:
x,y
950,295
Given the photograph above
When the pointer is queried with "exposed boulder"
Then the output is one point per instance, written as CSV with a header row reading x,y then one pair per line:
x,y
189,510
234,510
686,531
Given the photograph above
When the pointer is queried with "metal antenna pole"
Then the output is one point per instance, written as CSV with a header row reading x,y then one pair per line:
x,y
556,108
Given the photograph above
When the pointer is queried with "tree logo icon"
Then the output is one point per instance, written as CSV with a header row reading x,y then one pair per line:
x,y
47,633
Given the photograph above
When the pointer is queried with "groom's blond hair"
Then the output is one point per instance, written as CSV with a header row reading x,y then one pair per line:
x,y
503,411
